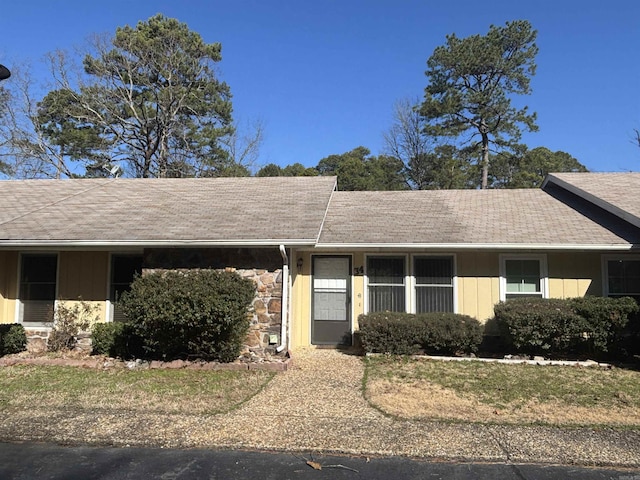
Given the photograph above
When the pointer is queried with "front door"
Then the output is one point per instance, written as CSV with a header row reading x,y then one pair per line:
x,y
331,319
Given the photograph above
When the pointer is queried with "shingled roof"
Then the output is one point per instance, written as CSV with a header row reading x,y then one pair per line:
x,y
528,218
307,211
617,193
230,211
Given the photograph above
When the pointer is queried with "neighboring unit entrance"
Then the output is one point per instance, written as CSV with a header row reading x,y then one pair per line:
x,y
331,318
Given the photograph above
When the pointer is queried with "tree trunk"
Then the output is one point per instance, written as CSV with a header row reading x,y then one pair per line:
x,y
485,161
59,166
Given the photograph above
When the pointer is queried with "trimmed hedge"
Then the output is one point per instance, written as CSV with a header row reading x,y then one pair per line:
x,y
407,334
13,338
607,321
577,326
395,333
537,325
116,339
193,314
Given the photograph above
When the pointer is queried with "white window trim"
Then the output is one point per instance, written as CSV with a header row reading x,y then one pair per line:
x,y
544,272
18,317
409,277
605,269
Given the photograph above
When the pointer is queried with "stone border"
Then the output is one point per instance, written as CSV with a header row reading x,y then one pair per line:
x,y
106,363
509,361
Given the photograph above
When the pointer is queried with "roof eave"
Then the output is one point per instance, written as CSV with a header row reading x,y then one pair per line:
x,y
477,246
154,243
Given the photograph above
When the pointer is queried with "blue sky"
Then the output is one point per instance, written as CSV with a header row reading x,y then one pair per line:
x,y
323,75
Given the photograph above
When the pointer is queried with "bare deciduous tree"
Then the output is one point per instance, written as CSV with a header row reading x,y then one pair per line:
x,y
406,141
25,150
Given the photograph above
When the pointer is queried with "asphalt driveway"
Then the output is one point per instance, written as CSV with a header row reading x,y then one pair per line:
x,y
38,461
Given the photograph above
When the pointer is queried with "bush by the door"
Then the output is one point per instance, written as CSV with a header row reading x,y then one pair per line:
x,y
191,314
406,334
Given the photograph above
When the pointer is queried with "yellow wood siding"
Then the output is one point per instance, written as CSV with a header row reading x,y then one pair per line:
x,y
300,328
84,275
8,286
574,274
478,283
570,274
358,295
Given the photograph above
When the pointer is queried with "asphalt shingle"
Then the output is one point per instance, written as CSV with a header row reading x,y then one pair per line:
x,y
617,192
463,217
303,210
229,210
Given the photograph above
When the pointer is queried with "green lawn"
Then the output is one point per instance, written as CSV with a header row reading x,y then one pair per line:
x,y
162,391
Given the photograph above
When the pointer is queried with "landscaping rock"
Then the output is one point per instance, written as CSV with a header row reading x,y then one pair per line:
x,y
262,360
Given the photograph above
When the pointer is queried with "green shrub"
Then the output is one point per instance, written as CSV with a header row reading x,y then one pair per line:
x,y
103,338
579,326
450,333
116,339
388,332
13,338
68,321
198,313
628,343
407,334
539,326
606,320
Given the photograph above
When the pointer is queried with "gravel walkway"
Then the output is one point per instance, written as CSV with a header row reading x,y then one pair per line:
x,y
317,406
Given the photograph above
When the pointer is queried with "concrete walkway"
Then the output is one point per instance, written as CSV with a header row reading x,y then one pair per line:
x,y
317,406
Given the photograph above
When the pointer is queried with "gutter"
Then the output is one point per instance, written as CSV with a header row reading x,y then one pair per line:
x,y
476,246
284,338
37,243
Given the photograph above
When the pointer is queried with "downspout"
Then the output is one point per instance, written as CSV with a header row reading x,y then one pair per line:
x,y
284,338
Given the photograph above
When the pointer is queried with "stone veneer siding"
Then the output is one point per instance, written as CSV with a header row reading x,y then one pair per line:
x,y
261,265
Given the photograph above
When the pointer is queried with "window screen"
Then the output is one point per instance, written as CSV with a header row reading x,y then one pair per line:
x,y
386,277
433,284
38,275
123,269
623,278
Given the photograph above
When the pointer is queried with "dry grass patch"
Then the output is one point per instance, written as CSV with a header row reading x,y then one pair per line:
x,y
499,393
161,391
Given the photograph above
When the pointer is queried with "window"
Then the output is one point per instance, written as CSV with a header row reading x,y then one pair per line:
x,y
386,282
433,284
427,287
38,274
623,277
123,269
523,276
